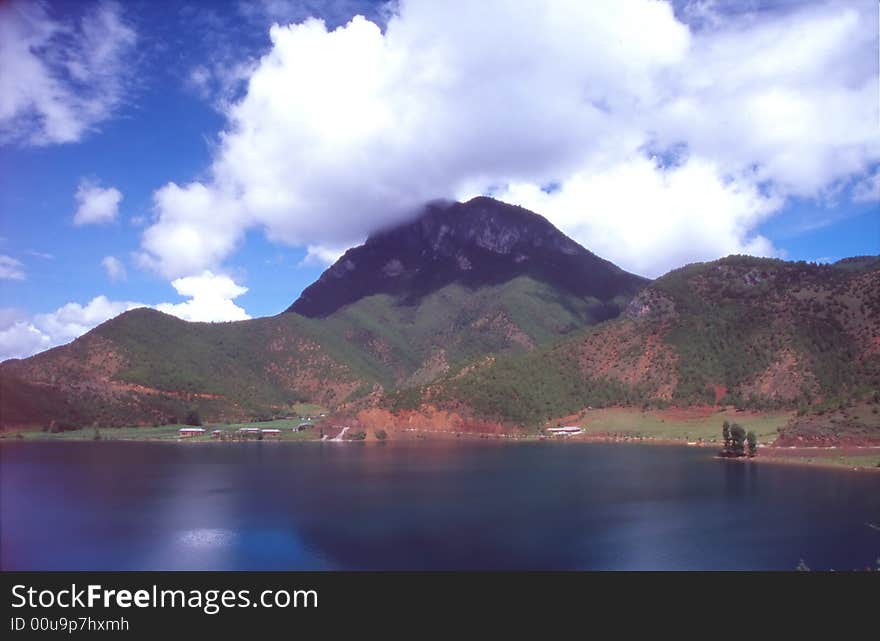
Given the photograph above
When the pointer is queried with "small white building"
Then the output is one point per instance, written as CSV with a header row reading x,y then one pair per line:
x,y
189,432
271,432
565,431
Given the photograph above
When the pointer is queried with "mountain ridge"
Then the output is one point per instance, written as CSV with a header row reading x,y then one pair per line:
x,y
530,339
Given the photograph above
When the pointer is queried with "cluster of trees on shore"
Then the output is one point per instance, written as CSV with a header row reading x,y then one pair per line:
x,y
738,442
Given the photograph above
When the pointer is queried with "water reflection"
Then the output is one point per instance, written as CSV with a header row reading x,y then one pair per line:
x,y
207,537
422,505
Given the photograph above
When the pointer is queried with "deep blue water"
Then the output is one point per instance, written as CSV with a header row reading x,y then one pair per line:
x,y
435,505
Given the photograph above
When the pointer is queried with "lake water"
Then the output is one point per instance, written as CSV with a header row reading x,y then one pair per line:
x,y
423,505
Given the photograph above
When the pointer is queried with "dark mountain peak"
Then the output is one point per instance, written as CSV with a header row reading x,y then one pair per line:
x,y
476,243
446,228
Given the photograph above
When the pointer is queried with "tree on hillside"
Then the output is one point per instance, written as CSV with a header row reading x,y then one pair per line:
x,y
725,432
737,440
193,418
752,440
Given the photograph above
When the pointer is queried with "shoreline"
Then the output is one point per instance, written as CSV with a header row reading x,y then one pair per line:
x,y
813,462
779,456
798,462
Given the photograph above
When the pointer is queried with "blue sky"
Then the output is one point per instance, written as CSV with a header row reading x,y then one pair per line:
x,y
221,167
164,131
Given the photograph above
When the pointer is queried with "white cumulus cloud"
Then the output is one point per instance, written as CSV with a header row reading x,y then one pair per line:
x,y
18,337
675,215
198,229
59,78
96,204
209,298
342,131
322,255
21,336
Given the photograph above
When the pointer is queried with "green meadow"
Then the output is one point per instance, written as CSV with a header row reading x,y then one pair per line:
x,y
659,425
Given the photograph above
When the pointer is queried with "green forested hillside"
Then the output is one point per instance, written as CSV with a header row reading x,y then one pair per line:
x,y
749,332
752,333
457,325
145,366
